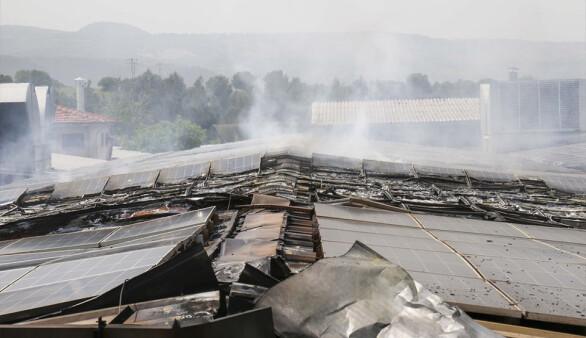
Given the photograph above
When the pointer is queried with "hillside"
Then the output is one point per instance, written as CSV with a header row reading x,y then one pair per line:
x,y
103,49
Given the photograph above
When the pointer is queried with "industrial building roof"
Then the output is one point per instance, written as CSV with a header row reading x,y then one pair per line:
x,y
14,92
272,217
69,115
395,111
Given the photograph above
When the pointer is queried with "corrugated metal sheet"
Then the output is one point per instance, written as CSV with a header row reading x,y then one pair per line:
x,y
395,111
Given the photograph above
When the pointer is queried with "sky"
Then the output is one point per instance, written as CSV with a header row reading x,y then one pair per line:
x,y
536,20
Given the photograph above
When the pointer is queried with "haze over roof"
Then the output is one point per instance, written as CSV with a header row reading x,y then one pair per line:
x,y
395,111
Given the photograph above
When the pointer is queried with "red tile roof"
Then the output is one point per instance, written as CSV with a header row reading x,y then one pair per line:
x,y
70,115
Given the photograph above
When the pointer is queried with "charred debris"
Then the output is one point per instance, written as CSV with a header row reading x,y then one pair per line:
x,y
232,247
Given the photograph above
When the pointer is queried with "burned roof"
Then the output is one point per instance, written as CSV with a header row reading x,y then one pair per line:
x,y
247,216
395,111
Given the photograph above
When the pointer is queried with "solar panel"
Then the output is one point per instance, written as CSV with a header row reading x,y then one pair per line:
x,y
143,179
364,215
578,249
235,165
90,186
374,228
159,225
492,176
485,239
554,234
371,239
411,260
80,239
548,303
468,225
179,174
10,196
550,273
81,268
172,237
61,282
323,160
542,253
425,170
6,243
13,261
7,277
389,168
471,294
573,185
63,291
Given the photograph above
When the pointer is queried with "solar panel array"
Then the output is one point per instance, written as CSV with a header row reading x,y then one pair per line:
x,y
143,179
73,240
63,268
179,174
10,196
235,165
483,266
90,186
61,282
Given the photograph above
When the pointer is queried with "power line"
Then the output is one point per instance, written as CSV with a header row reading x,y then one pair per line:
x,y
133,62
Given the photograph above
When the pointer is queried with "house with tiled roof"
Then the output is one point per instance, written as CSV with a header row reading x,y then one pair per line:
x,y
439,121
82,133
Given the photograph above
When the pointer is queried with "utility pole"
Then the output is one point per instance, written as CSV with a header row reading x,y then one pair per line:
x,y
159,66
133,66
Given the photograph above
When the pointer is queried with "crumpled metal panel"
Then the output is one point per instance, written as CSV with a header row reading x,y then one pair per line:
x,y
263,218
361,294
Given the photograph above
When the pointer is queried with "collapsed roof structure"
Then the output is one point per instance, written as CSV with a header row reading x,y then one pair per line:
x,y
205,240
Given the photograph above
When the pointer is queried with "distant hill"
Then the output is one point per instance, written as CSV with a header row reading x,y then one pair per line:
x,y
103,49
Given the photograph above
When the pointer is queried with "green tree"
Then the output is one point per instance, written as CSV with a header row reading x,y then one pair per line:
x,y
165,136
5,78
239,104
339,91
219,86
109,84
276,86
195,105
244,81
419,86
36,77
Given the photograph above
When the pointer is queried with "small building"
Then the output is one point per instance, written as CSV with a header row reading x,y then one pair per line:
x,y
453,122
530,114
20,132
81,133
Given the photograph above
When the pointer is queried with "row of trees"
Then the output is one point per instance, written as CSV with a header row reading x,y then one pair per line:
x,y
161,114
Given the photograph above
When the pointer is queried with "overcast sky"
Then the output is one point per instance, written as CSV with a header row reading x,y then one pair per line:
x,y
552,20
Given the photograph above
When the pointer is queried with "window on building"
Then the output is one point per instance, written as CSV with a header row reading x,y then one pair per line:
x,y
74,140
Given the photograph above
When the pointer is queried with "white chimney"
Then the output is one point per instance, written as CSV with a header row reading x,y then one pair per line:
x,y
80,84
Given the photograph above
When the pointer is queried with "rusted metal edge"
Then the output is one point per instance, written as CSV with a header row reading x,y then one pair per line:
x,y
212,250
